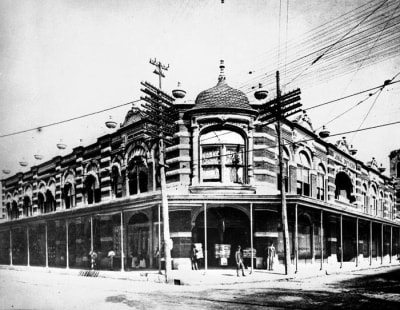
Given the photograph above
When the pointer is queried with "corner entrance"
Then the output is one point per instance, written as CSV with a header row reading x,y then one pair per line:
x,y
226,228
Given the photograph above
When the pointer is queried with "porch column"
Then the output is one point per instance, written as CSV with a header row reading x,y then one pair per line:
x,y
251,237
382,243
370,243
322,240
357,242
391,243
67,241
91,233
341,240
47,247
205,239
122,242
11,254
159,238
27,247
312,242
91,242
296,237
195,165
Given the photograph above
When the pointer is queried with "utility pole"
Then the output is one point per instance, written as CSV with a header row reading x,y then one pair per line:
x,y
161,116
159,70
274,111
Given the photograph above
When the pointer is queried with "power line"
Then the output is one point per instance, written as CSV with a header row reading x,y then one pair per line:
x,y
348,96
308,139
67,120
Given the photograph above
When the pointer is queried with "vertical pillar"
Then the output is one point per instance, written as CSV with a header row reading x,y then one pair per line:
x,y
370,242
67,241
91,233
312,242
357,242
159,238
47,247
296,237
341,240
322,239
205,239
91,243
11,246
382,243
27,246
251,237
391,244
122,243
195,165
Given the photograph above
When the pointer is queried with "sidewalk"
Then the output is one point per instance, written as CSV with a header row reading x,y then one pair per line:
x,y
212,276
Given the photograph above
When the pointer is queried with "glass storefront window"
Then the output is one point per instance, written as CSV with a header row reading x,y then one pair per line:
x,y
37,244
107,241
139,244
56,239
19,246
5,247
79,242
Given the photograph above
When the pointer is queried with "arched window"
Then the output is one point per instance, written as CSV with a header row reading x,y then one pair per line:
x,y
285,170
321,182
92,189
222,157
381,204
116,181
27,206
27,202
41,199
374,201
68,191
365,197
8,207
344,188
69,195
303,174
50,203
14,210
138,171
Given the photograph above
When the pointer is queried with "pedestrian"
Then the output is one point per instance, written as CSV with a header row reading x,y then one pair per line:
x,y
239,261
194,255
271,256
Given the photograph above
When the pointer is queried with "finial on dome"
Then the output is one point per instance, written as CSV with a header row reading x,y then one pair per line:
x,y
221,73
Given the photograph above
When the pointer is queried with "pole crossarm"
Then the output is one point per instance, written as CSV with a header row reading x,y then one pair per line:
x,y
282,107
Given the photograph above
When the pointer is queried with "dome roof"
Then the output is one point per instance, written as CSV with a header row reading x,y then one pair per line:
x,y
222,96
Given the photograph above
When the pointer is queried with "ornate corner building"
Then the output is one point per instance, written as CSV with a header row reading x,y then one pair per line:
x,y
222,185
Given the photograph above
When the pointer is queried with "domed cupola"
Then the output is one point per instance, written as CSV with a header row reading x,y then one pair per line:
x,y
222,97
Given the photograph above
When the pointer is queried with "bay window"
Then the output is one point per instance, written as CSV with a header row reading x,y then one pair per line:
x,y
222,157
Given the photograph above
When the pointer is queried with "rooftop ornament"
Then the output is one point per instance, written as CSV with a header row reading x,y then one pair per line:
x,y
61,145
260,93
324,133
110,123
382,169
179,93
38,156
353,151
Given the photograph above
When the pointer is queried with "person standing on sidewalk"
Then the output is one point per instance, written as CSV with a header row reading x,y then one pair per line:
x,y
194,256
271,256
239,261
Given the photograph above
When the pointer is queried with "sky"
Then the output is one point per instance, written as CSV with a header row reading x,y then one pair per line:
x,y
62,59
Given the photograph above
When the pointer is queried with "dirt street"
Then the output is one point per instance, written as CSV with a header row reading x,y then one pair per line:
x,y
352,290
